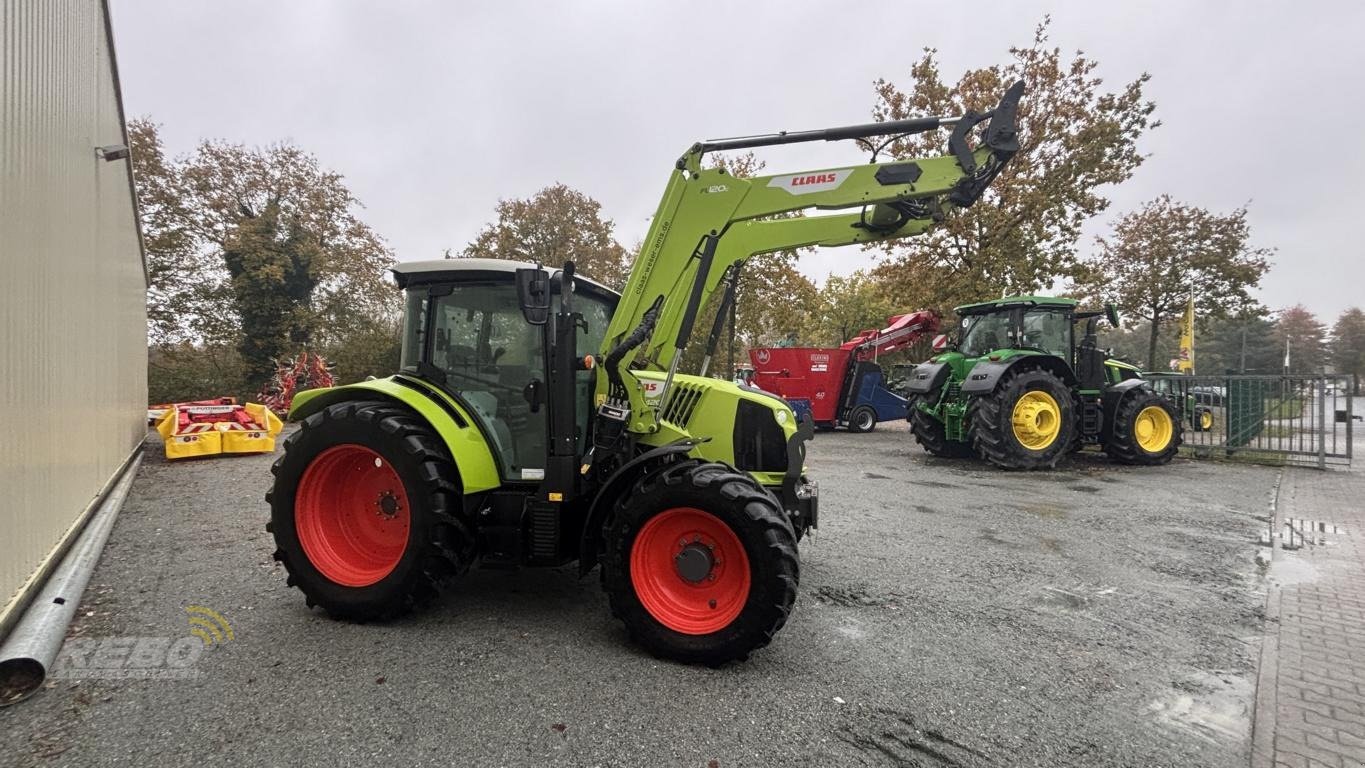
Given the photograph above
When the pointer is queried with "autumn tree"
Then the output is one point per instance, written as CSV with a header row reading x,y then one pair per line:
x,y
1076,137
1348,343
1159,255
1300,335
847,305
261,247
555,225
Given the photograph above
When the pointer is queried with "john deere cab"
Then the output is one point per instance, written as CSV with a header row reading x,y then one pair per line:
x,y
1017,389
539,418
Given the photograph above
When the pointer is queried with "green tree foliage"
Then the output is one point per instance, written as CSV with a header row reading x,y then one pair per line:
x,y
1244,343
555,225
259,248
1075,138
847,305
1348,343
1158,255
1305,337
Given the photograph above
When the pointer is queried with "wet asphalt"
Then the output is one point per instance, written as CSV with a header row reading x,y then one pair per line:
x,y
948,615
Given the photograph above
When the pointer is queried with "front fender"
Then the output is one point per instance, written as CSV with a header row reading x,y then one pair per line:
x,y
1110,399
617,484
983,377
928,377
467,445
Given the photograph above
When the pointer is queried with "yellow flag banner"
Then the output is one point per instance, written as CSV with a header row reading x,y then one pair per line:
x,y
1185,362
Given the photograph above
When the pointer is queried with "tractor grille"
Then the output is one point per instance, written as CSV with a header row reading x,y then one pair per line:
x,y
682,401
953,392
760,444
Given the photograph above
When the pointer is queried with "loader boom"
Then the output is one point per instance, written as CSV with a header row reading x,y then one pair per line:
x,y
709,221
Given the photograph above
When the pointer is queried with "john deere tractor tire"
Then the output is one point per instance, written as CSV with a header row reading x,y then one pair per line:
x,y
929,433
701,563
1028,422
863,419
1203,419
1146,430
365,512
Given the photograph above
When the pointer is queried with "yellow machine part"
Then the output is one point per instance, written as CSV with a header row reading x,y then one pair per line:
x,y
221,437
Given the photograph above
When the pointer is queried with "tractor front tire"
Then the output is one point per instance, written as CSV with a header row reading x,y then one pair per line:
x,y
863,419
929,433
1203,419
1028,422
701,563
365,511
1146,430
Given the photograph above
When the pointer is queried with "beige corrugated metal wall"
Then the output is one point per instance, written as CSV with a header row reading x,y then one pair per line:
x,y
73,351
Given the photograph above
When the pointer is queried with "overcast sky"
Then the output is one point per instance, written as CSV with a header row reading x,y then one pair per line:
x,y
435,111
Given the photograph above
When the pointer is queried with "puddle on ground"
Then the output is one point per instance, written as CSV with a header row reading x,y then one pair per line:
x,y
1049,511
1297,534
1292,569
934,484
1216,707
1308,533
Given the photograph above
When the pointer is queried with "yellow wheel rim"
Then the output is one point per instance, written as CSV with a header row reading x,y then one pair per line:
x,y
1153,429
1036,420
1206,420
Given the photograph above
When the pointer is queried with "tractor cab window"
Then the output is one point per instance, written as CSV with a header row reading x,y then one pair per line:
x,y
480,342
983,334
1047,330
596,313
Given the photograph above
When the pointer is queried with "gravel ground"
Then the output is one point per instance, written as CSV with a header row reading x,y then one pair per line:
x,y
949,614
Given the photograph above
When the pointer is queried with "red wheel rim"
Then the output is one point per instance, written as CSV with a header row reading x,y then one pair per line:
x,y
351,515
690,571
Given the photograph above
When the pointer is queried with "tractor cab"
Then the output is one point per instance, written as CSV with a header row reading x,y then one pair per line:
x,y
466,333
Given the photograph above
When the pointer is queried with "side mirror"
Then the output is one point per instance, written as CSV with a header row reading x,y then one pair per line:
x,y
1112,312
533,292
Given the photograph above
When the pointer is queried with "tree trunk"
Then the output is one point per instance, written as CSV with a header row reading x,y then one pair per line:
x,y
1151,341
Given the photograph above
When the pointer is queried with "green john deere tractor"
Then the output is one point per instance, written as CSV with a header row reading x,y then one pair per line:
x,y
1017,390
539,418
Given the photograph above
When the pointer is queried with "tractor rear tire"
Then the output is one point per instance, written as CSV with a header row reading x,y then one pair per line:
x,y
863,419
701,563
929,433
1146,430
365,511
1028,422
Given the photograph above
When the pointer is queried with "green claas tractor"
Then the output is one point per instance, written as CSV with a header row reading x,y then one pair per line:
x,y
1017,390
539,418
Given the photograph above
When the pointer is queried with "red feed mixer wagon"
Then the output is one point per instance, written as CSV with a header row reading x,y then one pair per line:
x,y
844,385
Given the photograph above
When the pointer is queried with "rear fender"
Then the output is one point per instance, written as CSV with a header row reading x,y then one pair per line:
x,y
467,445
616,485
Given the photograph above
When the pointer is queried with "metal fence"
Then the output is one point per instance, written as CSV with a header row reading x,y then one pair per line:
x,y
1300,419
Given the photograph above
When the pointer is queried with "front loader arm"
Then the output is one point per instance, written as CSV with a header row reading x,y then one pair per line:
x,y
709,220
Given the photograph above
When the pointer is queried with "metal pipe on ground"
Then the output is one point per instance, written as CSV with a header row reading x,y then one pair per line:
x,y
28,652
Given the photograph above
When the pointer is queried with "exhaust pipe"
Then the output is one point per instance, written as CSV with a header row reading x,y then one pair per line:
x,y
30,649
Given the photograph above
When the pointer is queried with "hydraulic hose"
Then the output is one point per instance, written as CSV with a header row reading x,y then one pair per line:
x,y
635,339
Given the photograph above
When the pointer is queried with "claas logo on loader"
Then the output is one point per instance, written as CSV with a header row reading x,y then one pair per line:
x,y
805,183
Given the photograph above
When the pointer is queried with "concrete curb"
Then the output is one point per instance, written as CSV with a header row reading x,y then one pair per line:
x,y
1265,703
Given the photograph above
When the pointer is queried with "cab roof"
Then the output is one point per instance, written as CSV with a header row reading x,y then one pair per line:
x,y
1016,301
451,270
